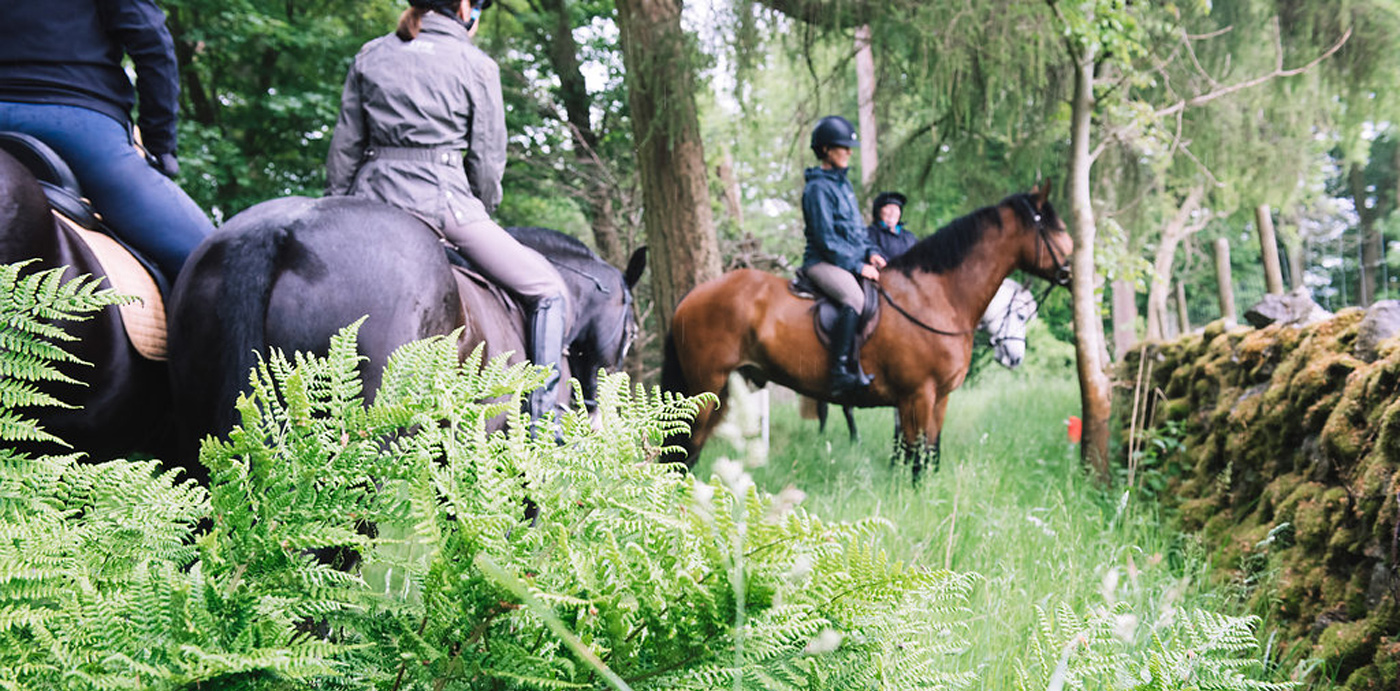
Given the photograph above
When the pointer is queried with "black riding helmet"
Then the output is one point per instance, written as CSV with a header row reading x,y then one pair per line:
x,y
833,130
447,5
884,198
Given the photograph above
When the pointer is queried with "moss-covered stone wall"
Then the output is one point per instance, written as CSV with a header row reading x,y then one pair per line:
x,y
1290,471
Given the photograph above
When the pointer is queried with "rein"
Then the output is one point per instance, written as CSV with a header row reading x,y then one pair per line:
x,y
884,294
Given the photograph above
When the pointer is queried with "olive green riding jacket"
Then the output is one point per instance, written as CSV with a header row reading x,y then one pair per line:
x,y
409,112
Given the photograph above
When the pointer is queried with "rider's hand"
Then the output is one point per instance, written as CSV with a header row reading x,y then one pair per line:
x,y
870,272
166,164
878,261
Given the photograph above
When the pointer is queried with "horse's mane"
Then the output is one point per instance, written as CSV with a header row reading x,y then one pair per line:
x,y
946,249
552,242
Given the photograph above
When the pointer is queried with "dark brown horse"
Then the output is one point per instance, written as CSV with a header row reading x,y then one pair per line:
x,y
933,297
290,273
123,403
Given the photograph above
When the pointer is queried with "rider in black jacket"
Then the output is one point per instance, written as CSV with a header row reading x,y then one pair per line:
x,y
885,231
62,81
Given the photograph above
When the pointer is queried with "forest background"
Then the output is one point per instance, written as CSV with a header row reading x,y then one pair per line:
x,y
1198,114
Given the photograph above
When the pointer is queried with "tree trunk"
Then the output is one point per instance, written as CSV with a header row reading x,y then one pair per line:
x,y
573,91
1183,314
1124,318
1094,387
865,99
1224,284
1268,249
1175,231
684,251
1370,268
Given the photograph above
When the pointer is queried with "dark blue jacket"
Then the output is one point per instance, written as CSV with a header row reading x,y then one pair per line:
x,y
890,245
835,231
69,52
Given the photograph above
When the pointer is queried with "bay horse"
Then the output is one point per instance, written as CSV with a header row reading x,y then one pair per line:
x,y
290,273
121,399
1006,322
932,298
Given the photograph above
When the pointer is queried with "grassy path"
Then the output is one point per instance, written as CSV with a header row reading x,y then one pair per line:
x,y
1010,502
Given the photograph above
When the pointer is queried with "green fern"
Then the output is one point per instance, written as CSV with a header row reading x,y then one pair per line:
x,y
1196,650
32,308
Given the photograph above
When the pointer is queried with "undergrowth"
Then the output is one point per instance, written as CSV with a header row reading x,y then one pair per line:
x,y
409,544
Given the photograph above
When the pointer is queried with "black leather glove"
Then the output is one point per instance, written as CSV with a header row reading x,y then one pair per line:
x,y
166,163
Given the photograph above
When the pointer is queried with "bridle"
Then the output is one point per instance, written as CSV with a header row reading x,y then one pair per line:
x,y
1001,336
1062,274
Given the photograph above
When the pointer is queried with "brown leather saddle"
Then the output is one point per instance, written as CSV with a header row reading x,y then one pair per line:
x,y
824,308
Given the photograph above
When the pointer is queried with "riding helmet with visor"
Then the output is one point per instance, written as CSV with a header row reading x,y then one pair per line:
x,y
833,130
884,198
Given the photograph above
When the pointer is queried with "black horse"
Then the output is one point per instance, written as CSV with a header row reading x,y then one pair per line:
x,y
123,402
604,322
290,273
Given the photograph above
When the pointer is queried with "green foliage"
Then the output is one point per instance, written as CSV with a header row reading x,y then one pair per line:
x,y
33,307
631,555
105,582
1190,650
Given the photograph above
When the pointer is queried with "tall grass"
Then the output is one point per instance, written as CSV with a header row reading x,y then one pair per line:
x,y
1010,502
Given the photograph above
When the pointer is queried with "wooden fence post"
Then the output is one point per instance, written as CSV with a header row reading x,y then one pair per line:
x,y
1268,246
1222,280
1182,318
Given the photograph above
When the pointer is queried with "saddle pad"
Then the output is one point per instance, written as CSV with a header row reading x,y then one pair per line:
x,y
144,319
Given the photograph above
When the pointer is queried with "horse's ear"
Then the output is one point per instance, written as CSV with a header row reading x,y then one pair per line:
x,y
1041,193
635,266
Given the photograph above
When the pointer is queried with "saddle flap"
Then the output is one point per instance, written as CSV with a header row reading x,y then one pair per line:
x,y
825,310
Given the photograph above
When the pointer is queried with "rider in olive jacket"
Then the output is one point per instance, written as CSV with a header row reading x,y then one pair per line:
x,y
422,127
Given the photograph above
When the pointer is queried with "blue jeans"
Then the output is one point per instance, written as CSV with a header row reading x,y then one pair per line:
x,y
143,207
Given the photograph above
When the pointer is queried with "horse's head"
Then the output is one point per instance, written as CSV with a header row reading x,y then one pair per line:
x,y
1006,320
1048,246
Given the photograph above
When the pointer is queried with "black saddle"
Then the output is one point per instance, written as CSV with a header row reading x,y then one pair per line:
x,y
824,310
66,196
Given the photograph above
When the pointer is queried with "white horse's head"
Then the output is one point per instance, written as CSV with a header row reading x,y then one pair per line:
x,y
1006,319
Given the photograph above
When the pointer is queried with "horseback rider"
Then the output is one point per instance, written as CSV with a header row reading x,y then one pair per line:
x,y
885,231
838,249
415,102
62,82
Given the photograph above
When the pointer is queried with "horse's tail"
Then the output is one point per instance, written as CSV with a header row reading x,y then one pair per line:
x,y
249,264
673,379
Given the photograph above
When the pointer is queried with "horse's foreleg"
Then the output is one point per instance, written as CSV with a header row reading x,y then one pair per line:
x,y
921,423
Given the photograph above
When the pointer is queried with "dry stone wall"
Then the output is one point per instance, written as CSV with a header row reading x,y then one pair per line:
x,y
1290,471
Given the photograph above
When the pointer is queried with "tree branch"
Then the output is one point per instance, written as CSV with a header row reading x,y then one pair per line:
x,y
1279,71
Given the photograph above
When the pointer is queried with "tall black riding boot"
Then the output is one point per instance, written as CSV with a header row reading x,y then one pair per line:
x,y
546,347
844,378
